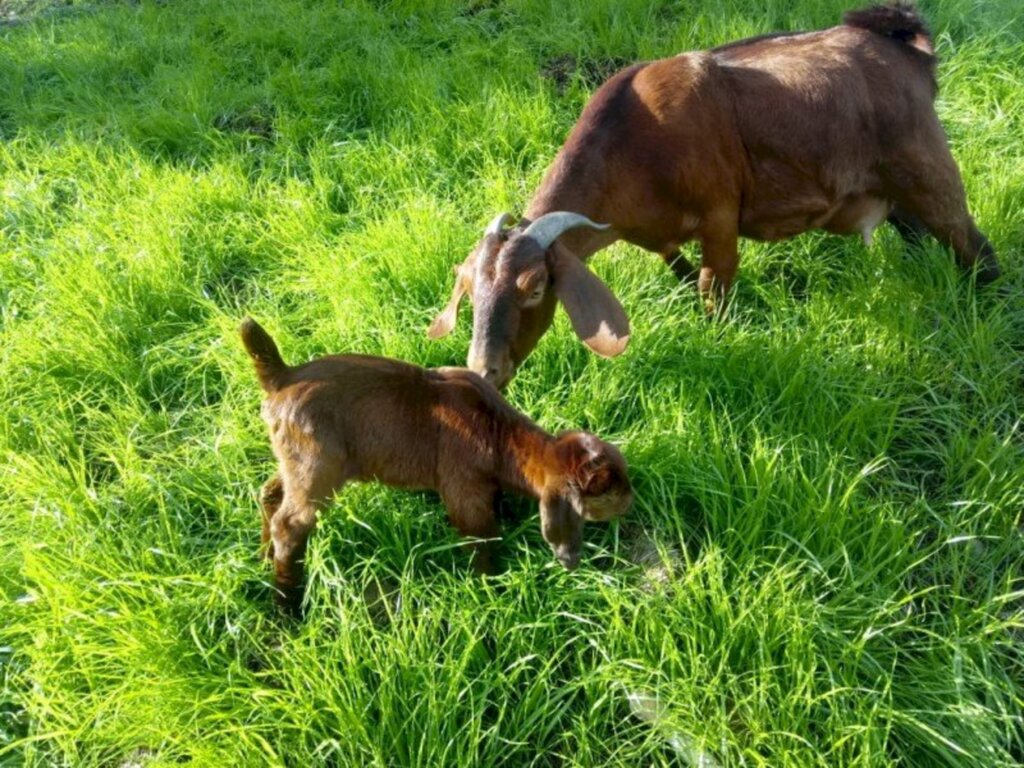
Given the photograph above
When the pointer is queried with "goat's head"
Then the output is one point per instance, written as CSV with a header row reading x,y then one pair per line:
x,y
590,484
514,277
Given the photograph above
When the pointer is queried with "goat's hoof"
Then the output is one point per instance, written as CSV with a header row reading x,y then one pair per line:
x,y
289,601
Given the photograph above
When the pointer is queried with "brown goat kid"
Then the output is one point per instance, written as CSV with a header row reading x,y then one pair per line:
x,y
763,138
356,417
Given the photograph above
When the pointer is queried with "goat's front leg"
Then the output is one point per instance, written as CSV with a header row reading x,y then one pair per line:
x,y
472,513
681,267
719,261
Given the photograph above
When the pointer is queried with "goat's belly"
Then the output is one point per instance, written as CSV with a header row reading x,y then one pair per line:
x,y
782,203
784,218
774,229
857,214
397,473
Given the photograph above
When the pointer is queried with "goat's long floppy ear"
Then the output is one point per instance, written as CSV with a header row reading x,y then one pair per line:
x,y
445,320
597,316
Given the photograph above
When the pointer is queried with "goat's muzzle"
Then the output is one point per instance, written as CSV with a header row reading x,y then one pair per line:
x,y
495,369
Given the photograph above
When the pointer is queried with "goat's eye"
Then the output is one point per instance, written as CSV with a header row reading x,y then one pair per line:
x,y
531,286
534,296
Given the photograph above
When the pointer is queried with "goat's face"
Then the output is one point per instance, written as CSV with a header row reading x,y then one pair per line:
x,y
512,305
592,485
514,277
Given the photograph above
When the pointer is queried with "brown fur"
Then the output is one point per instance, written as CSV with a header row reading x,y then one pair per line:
x,y
764,138
355,417
897,20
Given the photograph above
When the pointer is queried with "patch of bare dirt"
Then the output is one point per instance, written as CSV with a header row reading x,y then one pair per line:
x,y
561,70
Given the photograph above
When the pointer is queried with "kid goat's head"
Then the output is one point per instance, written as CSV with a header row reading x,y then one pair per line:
x,y
513,277
590,483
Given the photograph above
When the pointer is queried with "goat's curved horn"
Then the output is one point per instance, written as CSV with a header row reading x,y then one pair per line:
x,y
498,224
550,226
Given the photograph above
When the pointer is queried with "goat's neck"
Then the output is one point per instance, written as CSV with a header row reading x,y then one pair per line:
x,y
560,192
524,468
567,187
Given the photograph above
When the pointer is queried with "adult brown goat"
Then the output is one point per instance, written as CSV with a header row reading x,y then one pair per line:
x,y
763,138
355,417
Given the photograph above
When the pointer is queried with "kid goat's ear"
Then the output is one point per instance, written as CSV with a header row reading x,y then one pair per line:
x,y
587,463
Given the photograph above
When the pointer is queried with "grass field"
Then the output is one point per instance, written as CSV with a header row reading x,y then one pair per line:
x,y
824,563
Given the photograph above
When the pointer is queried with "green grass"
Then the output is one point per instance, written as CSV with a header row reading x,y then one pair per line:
x,y
824,564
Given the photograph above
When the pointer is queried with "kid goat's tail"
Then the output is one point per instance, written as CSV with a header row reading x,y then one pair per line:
x,y
270,368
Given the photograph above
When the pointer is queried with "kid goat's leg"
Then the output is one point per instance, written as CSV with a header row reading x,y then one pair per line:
x,y
472,514
271,496
309,487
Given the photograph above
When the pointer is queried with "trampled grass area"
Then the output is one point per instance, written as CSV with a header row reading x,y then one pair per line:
x,y
824,563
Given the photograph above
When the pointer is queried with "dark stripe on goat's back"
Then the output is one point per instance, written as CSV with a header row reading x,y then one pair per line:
x,y
726,47
607,114
616,96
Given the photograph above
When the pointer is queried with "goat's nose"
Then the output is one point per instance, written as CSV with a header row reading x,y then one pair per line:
x,y
477,363
493,368
570,562
499,377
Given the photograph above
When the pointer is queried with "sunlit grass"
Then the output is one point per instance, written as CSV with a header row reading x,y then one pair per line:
x,y
823,566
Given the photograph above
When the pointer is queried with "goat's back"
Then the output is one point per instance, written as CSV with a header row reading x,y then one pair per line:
x,y
386,420
823,92
370,416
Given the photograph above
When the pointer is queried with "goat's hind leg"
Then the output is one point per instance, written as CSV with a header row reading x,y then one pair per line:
x,y
271,496
928,190
910,228
309,488
289,530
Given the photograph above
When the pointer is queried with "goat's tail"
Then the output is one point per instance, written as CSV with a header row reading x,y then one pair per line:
x,y
270,368
899,21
